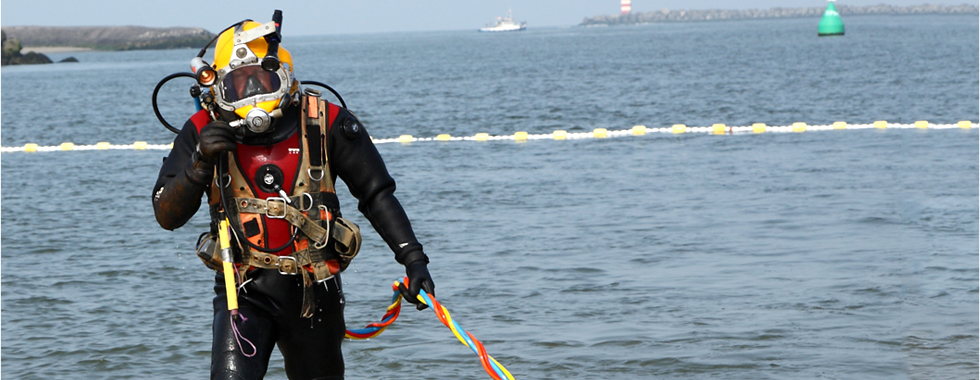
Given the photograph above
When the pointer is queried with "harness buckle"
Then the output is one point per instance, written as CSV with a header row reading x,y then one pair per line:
x,y
280,265
269,206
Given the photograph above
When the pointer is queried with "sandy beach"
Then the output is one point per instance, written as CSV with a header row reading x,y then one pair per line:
x,y
52,49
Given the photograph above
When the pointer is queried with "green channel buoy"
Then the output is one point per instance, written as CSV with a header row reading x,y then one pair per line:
x,y
831,23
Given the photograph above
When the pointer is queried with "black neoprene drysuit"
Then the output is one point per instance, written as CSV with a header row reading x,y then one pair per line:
x,y
270,302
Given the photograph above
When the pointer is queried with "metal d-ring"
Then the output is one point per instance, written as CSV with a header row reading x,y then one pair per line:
x,y
309,172
326,236
227,180
307,208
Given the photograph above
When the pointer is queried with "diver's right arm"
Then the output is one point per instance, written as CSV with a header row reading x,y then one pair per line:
x,y
187,172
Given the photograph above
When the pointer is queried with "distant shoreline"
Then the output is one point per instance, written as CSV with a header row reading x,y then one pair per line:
x,y
667,16
46,38
53,49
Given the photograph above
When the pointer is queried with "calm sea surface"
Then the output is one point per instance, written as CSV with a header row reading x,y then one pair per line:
x,y
839,254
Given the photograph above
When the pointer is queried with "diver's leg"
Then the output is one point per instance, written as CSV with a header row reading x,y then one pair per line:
x,y
244,355
312,347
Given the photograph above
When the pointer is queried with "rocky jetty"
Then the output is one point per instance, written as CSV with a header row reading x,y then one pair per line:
x,y
12,56
667,15
109,37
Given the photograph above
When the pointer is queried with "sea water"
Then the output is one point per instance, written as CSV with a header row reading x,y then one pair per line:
x,y
846,254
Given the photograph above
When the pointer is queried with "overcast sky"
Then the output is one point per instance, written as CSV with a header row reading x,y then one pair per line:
x,y
361,16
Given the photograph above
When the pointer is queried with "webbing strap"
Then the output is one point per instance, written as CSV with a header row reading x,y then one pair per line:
x,y
279,209
314,138
291,264
317,172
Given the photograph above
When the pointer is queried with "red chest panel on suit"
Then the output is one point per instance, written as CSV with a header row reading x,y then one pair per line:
x,y
284,155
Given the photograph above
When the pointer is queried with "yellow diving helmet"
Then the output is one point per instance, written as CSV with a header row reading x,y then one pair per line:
x,y
255,80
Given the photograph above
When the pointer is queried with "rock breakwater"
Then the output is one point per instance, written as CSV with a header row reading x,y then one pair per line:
x,y
667,15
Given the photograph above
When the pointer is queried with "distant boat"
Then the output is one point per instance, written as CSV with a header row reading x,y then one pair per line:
x,y
505,24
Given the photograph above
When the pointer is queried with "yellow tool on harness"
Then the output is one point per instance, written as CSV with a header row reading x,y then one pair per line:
x,y
228,264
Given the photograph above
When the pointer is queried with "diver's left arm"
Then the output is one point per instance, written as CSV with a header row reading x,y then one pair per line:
x,y
355,159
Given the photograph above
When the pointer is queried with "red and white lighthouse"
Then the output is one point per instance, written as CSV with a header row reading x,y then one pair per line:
x,y
624,6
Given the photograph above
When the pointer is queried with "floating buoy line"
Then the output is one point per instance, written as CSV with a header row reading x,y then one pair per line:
x,y
598,133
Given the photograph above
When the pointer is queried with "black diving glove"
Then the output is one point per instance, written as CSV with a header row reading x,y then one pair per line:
x,y
216,138
418,278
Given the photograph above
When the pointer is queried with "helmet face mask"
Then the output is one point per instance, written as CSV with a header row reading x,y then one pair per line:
x,y
243,88
249,86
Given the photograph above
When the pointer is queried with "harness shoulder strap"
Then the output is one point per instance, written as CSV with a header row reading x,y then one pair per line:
x,y
325,124
317,117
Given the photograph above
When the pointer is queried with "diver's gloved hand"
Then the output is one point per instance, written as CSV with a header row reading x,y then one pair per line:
x,y
216,138
418,278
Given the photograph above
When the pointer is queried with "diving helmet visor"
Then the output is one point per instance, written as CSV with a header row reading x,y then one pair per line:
x,y
249,84
249,81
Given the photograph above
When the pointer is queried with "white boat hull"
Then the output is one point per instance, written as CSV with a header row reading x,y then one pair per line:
x,y
507,28
505,24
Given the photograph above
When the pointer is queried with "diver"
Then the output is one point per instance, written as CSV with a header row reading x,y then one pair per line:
x,y
267,154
